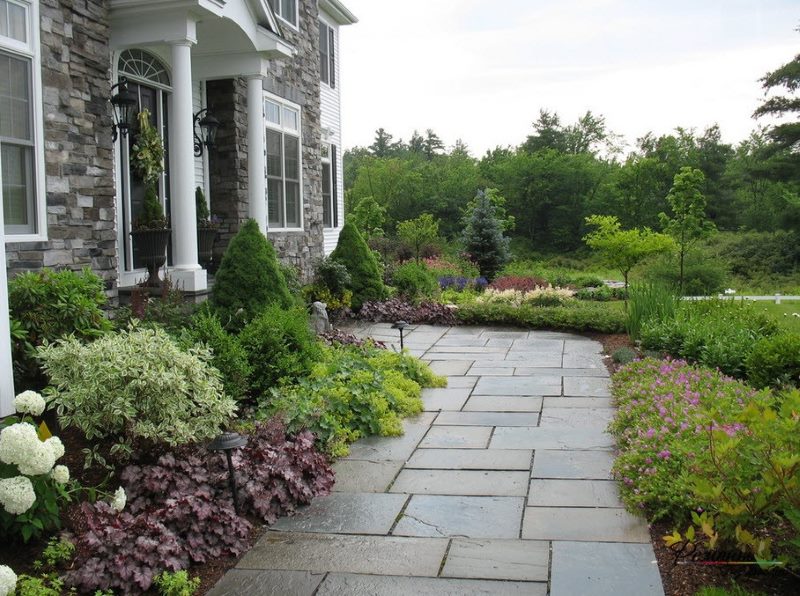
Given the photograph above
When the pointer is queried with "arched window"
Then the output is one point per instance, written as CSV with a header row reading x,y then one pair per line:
x,y
143,66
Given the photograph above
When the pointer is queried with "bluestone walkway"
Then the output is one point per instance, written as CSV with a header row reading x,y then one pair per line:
x,y
502,486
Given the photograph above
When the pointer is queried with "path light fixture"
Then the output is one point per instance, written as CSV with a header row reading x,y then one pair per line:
x,y
227,442
124,104
208,131
400,325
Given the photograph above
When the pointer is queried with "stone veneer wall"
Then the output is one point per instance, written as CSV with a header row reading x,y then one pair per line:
x,y
78,150
297,80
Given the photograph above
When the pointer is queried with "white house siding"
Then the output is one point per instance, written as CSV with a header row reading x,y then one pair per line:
x,y
330,104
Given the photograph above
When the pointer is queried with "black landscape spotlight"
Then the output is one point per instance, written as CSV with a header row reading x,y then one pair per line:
x,y
400,325
227,442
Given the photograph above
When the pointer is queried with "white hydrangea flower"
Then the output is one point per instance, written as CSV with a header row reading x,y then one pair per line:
x,y
8,580
38,459
17,494
119,500
56,446
30,402
15,442
60,474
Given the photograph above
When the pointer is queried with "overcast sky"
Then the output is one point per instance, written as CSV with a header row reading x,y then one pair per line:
x,y
481,70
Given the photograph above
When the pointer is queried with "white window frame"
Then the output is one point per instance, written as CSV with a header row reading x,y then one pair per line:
x,y
31,51
331,160
268,125
276,9
331,55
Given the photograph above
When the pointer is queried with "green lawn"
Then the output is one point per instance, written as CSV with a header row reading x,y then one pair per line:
x,y
784,313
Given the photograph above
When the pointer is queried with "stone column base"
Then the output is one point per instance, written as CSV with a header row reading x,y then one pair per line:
x,y
188,279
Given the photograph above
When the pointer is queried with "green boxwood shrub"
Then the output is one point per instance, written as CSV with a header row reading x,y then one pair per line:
x,y
366,280
136,385
414,282
280,348
580,316
47,305
775,361
227,354
249,278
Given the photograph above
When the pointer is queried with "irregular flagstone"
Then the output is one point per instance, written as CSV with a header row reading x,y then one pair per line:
x,y
356,554
590,465
445,399
346,513
467,437
574,493
462,482
340,584
502,403
540,385
524,437
470,517
525,560
362,476
583,524
269,583
576,417
587,386
578,402
487,419
471,459
610,569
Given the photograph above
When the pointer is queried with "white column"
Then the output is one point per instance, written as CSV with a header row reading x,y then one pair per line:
x,y
256,162
186,273
6,372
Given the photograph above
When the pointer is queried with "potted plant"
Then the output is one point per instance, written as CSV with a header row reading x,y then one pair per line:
x,y
151,230
206,229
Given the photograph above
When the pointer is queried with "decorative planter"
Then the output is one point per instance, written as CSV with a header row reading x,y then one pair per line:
x,y
150,250
205,245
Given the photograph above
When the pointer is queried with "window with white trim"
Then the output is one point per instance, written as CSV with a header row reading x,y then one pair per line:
x,y
327,54
285,9
284,167
21,146
330,199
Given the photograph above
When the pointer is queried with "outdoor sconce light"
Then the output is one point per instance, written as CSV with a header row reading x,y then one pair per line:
x,y
208,131
400,325
124,103
227,442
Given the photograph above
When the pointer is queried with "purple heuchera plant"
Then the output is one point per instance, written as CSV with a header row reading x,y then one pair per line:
x,y
396,309
180,509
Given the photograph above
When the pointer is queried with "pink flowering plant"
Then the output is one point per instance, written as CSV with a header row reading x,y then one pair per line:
x,y
665,408
710,452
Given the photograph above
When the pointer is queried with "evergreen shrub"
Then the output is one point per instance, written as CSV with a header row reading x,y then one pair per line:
x,y
47,305
775,361
249,278
366,281
483,238
414,282
280,348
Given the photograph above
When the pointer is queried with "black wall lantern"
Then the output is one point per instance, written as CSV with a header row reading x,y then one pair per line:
x,y
208,131
124,103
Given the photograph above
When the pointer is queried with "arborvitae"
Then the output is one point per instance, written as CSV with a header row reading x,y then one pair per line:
x,y
483,238
365,275
248,278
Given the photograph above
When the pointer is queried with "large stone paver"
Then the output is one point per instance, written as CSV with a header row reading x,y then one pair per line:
x,y
462,482
538,385
502,403
467,437
574,493
575,417
520,437
487,419
471,459
525,560
604,570
583,524
587,386
445,399
269,582
361,476
339,584
587,465
391,555
346,513
470,517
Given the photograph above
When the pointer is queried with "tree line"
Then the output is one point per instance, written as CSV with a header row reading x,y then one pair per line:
x,y
563,173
